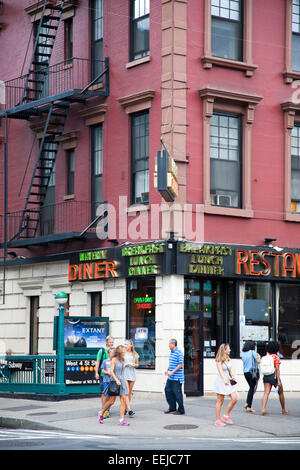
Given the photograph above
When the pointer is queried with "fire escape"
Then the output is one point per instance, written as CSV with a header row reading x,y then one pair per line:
x,y
46,92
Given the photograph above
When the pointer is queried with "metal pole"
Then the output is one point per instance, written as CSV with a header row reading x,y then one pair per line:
x,y
61,355
5,205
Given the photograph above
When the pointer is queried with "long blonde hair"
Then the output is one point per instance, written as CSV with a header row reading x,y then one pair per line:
x,y
132,350
221,354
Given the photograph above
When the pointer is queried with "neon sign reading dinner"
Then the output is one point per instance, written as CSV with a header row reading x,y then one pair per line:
x,y
206,259
142,258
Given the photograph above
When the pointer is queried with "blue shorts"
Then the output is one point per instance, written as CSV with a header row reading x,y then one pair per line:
x,y
104,387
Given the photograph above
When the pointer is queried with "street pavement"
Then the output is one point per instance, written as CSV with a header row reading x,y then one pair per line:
x,y
81,415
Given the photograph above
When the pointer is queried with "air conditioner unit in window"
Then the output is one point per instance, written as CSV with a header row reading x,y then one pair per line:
x,y
222,200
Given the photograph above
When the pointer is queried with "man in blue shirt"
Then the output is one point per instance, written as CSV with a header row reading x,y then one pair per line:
x,y
173,389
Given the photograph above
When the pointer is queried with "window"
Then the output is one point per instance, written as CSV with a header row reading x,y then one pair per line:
x,y
141,319
227,29
96,304
295,169
34,325
296,35
228,35
289,319
139,29
291,161
69,39
225,160
256,316
96,168
140,158
227,128
70,171
96,37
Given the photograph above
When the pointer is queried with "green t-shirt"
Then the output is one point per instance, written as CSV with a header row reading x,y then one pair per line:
x,y
102,352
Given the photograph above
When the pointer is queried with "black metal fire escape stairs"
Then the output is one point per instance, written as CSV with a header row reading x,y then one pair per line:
x,y
53,110
42,50
44,167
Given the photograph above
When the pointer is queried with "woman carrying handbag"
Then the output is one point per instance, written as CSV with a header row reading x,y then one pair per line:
x,y
117,386
225,384
250,359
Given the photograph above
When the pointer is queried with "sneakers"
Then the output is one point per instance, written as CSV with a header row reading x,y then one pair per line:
x,y
227,419
106,414
131,413
100,418
219,423
123,422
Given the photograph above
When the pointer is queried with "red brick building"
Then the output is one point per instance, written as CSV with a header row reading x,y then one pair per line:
x,y
93,89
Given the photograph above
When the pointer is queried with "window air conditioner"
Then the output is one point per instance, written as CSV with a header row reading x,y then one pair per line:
x,y
222,200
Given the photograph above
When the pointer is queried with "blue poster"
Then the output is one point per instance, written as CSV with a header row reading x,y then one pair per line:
x,y
85,332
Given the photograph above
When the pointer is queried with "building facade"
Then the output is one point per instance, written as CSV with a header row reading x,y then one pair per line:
x,y
93,93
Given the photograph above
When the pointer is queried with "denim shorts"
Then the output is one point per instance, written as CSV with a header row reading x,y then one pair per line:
x,y
105,384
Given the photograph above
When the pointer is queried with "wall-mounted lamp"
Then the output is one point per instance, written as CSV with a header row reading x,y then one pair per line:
x,y
268,241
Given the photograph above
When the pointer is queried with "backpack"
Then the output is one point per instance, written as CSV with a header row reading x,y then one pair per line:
x,y
267,365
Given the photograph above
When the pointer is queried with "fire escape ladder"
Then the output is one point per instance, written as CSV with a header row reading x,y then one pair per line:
x,y
44,166
36,78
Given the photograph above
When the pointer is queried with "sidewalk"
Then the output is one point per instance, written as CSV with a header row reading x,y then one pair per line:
x,y
80,415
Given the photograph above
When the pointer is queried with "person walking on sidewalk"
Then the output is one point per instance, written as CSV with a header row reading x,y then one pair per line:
x,y
101,356
273,379
117,374
225,384
250,359
131,363
105,369
173,388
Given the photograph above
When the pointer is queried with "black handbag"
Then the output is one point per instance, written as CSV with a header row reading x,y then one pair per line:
x,y
113,389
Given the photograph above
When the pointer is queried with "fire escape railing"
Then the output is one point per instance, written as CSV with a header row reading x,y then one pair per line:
x,y
72,74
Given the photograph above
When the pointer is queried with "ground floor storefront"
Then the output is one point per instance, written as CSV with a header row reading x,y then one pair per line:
x,y
201,294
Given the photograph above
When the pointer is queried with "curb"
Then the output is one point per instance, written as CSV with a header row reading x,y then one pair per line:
x,y
17,423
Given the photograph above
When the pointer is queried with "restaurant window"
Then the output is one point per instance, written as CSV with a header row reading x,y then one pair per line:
x,y
288,321
226,160
141,319
256,315
227,29
140,158
212,317
139,29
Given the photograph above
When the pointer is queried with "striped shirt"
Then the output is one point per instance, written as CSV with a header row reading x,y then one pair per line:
x,y
176,358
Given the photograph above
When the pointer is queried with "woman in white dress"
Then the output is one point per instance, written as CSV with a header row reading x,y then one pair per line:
x,y
223,386
131,363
